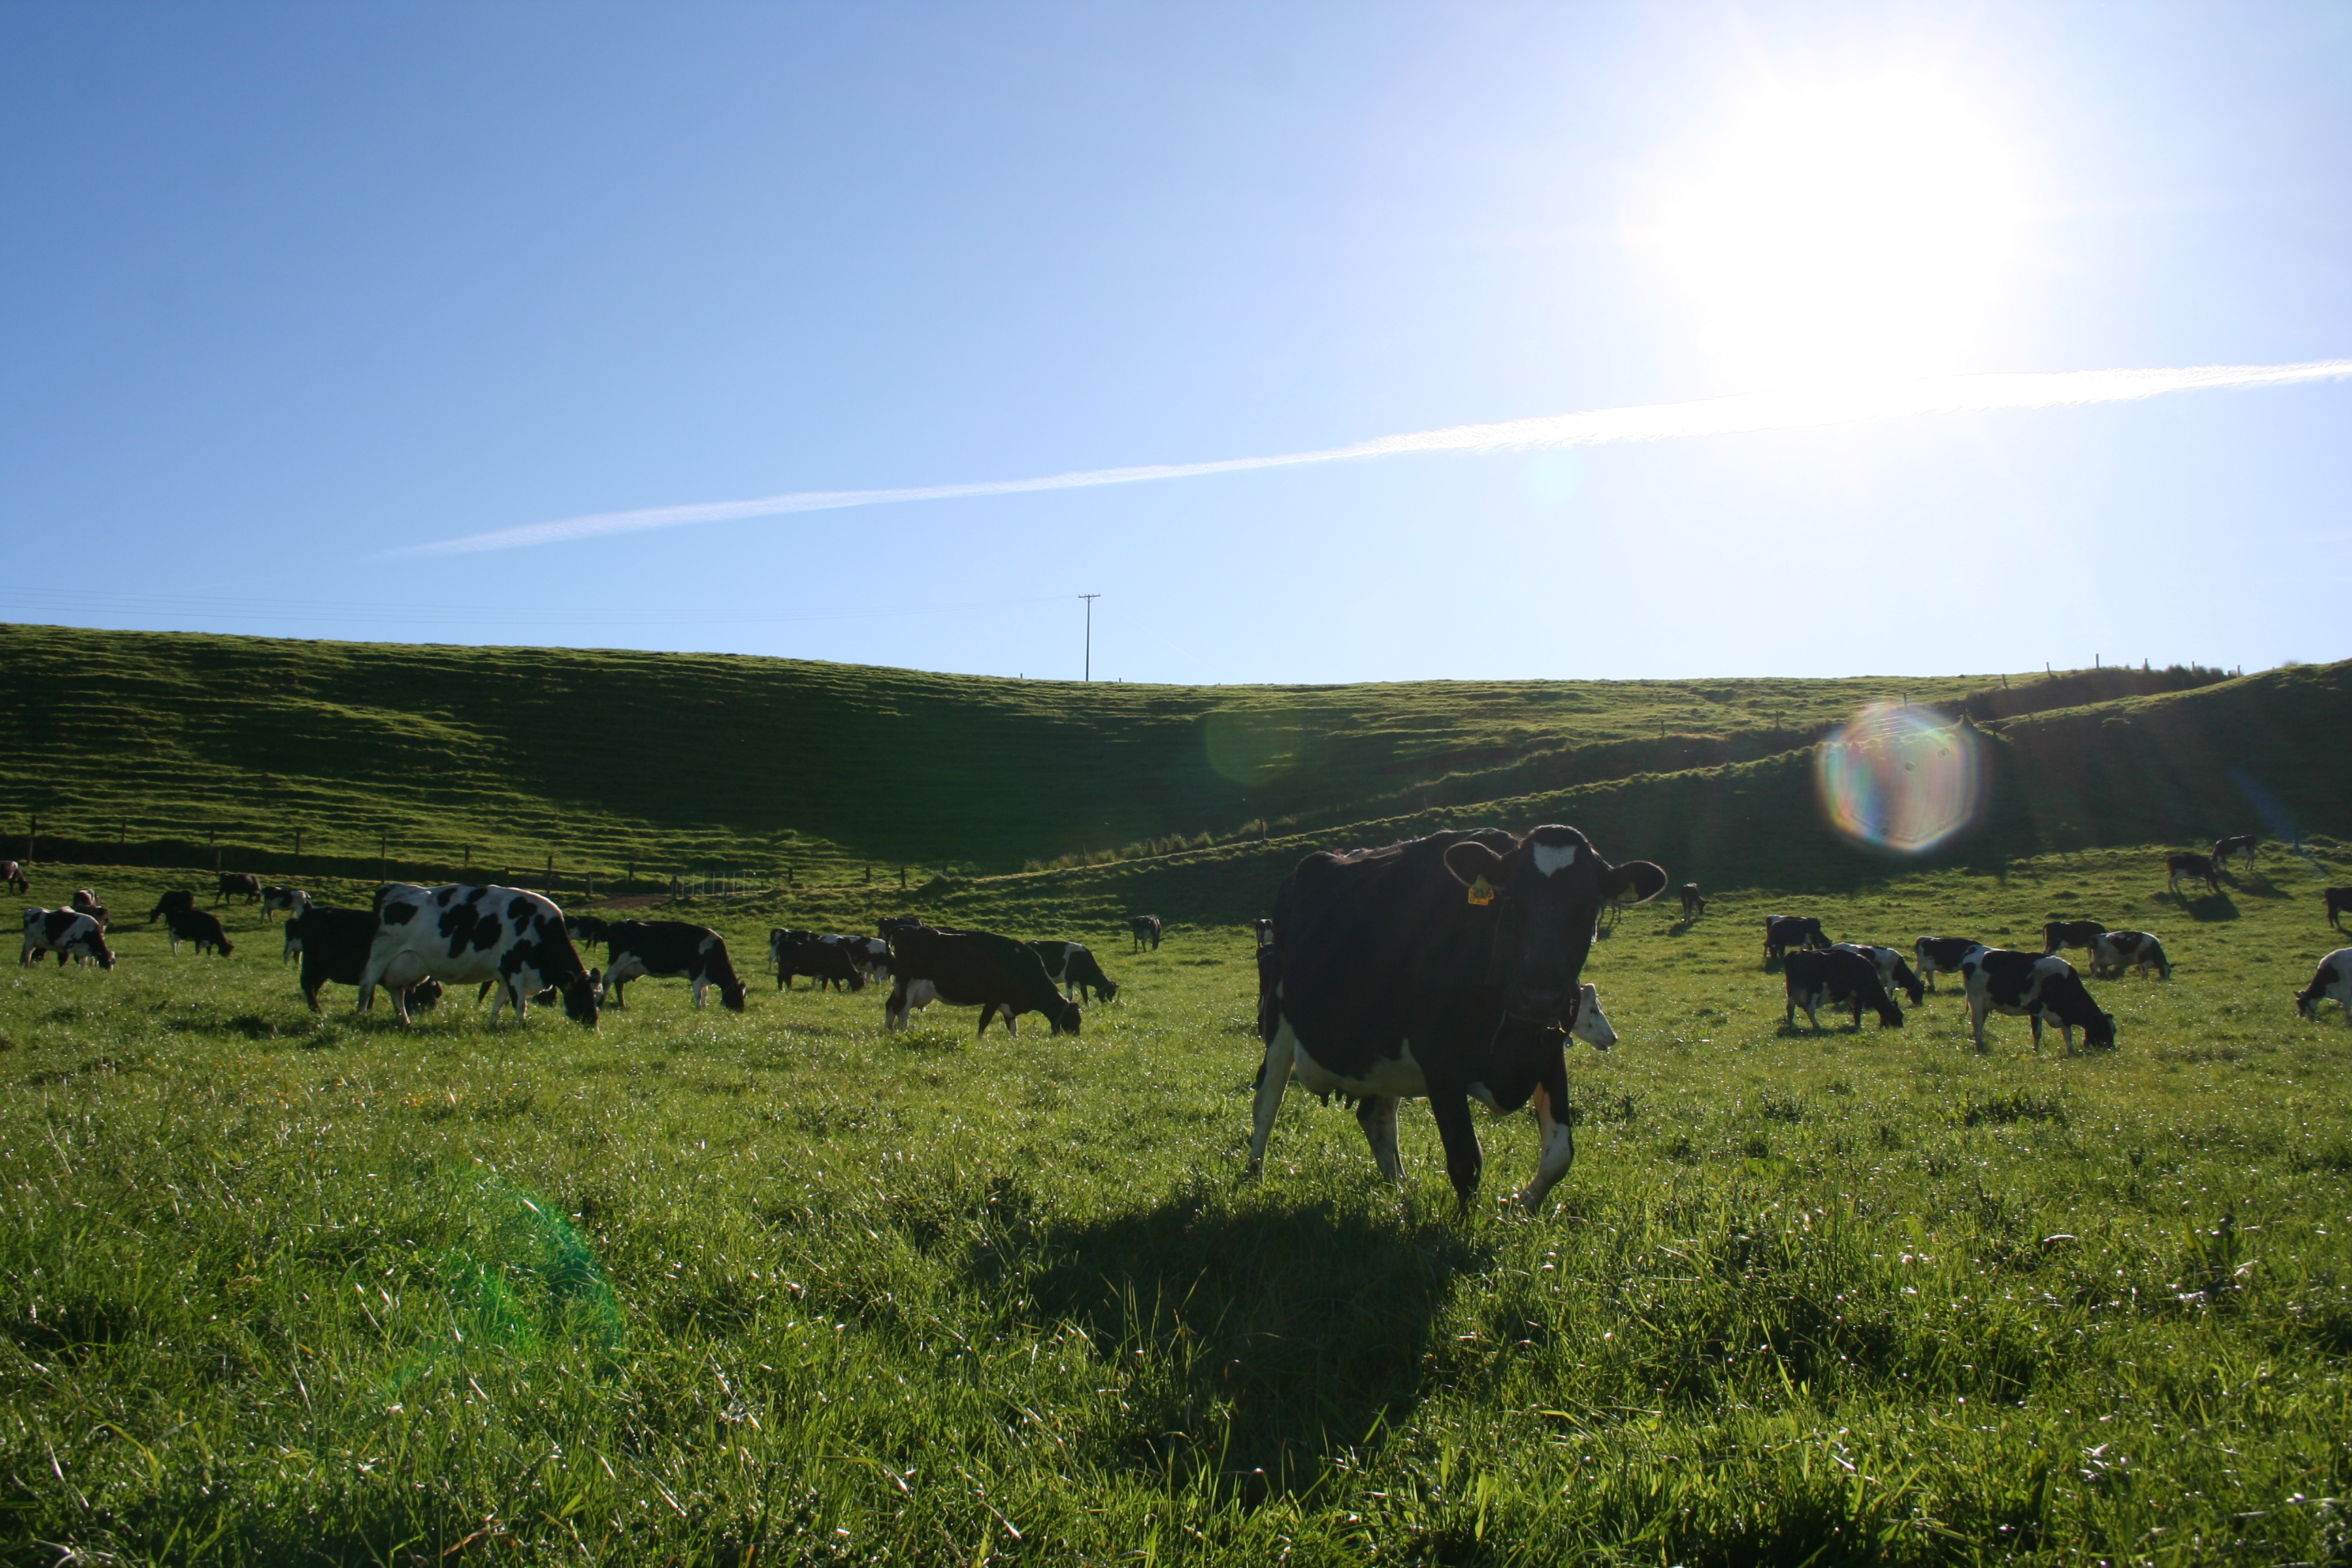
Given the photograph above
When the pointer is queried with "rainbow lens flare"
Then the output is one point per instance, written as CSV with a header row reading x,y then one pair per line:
x,y
1900,778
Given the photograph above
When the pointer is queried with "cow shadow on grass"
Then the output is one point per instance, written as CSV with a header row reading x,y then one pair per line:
x,y
1260,1342
2211,907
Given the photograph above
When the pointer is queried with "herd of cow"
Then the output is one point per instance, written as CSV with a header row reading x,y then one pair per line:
x,y
1447,968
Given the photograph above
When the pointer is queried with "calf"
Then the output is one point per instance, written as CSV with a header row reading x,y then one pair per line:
x,y
460,933
803,952
1693,901
1841,976
2179,868
85,902
201,927
177,898
2043,987
1074,969
1783,933
13,873
2332,982
668,950
1942,955
1892,973
238,885
2113,952
2338,900
65,933
1147,931
2240,847
2060,934
975,969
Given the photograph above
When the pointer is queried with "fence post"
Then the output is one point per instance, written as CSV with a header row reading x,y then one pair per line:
x,y
298,852
212,837
383,855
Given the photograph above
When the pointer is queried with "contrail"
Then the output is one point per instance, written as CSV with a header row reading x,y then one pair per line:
x,y
1791,409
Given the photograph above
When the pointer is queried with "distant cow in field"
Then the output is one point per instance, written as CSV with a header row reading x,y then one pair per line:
x,y
1147,931
2240,847
669,950
1265,931
13,873
85,902
1892,973
2332,982
291,900
2338,900
975,969
1783,933
176,898
2059,935
1942,955
1693,901
1071,966
460,934
238,885
587,931
2190,867
1839,977
804,952
2113,952
67,934
2043,987
201,927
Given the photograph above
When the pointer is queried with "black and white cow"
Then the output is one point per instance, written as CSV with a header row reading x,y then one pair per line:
x,y
2040,986
1449,967
1693,901
2338,900
2179,868
460,934
804,953
238,885
1145,928
2059,935
1071,966
1265,931
2331,981
85,902
587,931
2116,951
1942,955
1892,973
13,873
1840,977
201,927
1783,933
974,969
2242,847
67,934
667,950
276,896
176,898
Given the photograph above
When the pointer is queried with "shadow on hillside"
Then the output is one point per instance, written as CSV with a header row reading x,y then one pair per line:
x,y
1260,1344
2259,885
2212,907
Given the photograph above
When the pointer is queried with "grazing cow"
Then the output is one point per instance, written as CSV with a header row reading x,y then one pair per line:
x,y
2113,952
1942,955
2338,900
587,931
2332,982
1073,968
1892,973
1841,977
1449,967
2242,847
1693,901
2043,987
201,927
238,885
667,950
1783,933
276,896
2061,935
65,933
804,952
13,873
974,969
461,934
334,944
2179,868
1147,931
176,898
85,902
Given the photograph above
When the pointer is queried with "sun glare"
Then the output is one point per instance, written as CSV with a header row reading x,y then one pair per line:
x,y
1824,231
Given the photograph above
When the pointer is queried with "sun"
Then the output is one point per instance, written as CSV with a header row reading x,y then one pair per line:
x,y
1830,229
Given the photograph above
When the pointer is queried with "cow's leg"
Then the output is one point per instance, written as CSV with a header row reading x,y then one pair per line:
x,y
894,1006
1556,1150
1377,1115
1272,1077
1788,1013
1976,1021
2035,1020
699,987
1464,1159
986,1013
499,1001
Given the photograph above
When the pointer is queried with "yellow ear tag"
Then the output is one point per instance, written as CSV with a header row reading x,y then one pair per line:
x,y
1481,891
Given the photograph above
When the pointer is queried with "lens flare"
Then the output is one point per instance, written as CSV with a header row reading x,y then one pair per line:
x,y
1900,778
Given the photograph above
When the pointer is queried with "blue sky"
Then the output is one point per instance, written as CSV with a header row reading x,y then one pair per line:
x,y
289,288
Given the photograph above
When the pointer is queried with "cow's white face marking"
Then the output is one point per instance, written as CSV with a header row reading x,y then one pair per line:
x,y
1550,857
1591,1024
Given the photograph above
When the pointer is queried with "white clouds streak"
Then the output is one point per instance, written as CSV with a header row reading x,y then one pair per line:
x,y
1790,409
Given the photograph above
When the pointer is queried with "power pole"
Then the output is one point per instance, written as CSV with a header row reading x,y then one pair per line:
x,y
1090,599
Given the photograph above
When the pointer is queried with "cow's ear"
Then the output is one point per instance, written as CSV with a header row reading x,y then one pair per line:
x,y
1634,882
1471,861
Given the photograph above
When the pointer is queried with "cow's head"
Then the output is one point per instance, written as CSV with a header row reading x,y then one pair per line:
x,y
1065,1018
1108,990
95,946
730,995
582,994
2101,1030
1548,893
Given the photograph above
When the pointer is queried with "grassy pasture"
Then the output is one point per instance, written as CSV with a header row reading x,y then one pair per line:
x,y
708,1287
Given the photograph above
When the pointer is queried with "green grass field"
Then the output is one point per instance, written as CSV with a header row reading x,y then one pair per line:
x,y
702,1288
